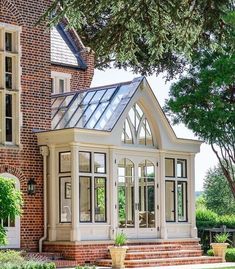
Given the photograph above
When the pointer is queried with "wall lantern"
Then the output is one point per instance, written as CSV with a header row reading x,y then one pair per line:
x,y
31,187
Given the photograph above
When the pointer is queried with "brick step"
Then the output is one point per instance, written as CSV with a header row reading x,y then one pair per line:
x,y
155,247
65,263
163,262
190,247
162,254
45,255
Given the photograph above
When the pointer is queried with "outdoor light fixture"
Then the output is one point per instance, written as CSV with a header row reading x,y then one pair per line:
x,y
31,186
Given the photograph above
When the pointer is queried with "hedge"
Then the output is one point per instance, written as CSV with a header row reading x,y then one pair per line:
x,y
28,265
229,257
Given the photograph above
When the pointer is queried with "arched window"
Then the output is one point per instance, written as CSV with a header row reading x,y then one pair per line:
x,y
136,128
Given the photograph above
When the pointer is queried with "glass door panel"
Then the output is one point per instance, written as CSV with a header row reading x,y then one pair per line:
x,y
126,197
146,195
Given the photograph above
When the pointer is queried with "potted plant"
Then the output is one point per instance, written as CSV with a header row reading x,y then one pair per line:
x,y
118,251
220,245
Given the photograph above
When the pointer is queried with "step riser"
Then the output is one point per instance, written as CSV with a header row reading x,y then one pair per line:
x,y
164,263
161,256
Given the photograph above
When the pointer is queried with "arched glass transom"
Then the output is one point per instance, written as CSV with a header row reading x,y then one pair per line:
x,y
136,128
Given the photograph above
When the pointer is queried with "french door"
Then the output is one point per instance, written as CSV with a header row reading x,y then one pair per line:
x,y
137,198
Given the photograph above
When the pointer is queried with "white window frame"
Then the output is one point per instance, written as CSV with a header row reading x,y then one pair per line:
x,y
56,77
16,85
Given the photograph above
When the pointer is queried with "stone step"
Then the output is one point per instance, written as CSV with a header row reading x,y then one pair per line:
x,y
163,261
162,254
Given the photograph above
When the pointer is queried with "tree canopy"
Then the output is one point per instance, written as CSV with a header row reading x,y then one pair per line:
x,y
147,36
204,100
215,183
10,204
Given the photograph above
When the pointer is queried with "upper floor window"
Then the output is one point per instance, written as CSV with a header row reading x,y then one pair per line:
x,y
136,128
9,83
60,82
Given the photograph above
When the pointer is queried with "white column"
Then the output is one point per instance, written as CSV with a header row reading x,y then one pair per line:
x,y
163,228
192,206
75,232
52,198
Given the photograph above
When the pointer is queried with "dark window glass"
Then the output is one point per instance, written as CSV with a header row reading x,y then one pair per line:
x,y
8,105
100,163
8,41
169,167
85,199
8,130
170,201
84,162
52,85
8,64
100,199
65,199
61,85
181,168
8,72
182,200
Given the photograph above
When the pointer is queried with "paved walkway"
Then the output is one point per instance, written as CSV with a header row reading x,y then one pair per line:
x,y
194,266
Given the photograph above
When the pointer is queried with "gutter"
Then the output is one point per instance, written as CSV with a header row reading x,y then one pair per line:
x,y
44,151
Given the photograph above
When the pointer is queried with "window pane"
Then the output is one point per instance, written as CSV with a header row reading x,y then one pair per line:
x,y
65,162
182,201
181,168
5,223
108,94
12,222
52,85
85,199
8,41
8,66
8,105
169,167
61,85
100,163
97,97
65,200
8,130
100,199
84,162
170,200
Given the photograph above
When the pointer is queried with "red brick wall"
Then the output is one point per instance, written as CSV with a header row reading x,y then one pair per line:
x,y
25,161
80,79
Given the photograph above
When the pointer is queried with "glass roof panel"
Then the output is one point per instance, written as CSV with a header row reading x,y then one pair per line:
x,y
98,108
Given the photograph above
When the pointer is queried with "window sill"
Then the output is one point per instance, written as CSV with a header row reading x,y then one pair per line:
x,y
10,146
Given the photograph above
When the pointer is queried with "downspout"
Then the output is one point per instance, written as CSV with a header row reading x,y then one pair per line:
x,y
44,151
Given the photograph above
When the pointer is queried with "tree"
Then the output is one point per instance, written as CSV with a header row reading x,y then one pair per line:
x,y
148,36
10,204
204,100
215,183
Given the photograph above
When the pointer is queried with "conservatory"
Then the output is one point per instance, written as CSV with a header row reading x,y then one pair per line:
x,y
113,163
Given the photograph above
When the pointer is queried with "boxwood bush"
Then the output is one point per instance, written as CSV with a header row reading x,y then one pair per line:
x,y
229,257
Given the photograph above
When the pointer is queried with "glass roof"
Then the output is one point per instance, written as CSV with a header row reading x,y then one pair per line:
x,y
98,108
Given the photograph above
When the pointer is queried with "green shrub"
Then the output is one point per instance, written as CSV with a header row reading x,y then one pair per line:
x,y
229,257
222,237
120,239
11,256
206,218
228,220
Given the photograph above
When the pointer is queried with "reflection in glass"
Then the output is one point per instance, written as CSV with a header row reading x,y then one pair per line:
x,y
182,200
65,199
146,195
100,199
126,194
84,161
100,163
169,167
181,168
170,200
85,199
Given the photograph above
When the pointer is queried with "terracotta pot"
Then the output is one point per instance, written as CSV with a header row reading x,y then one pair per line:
x,y
219,249
118,256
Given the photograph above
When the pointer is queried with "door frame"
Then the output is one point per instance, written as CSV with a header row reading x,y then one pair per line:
x,y
13,233
137,158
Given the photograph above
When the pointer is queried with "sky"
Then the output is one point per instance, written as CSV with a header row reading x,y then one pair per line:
x,y
205,159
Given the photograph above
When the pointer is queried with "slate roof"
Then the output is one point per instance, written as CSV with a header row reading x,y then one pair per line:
x,y
93,108
64,50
